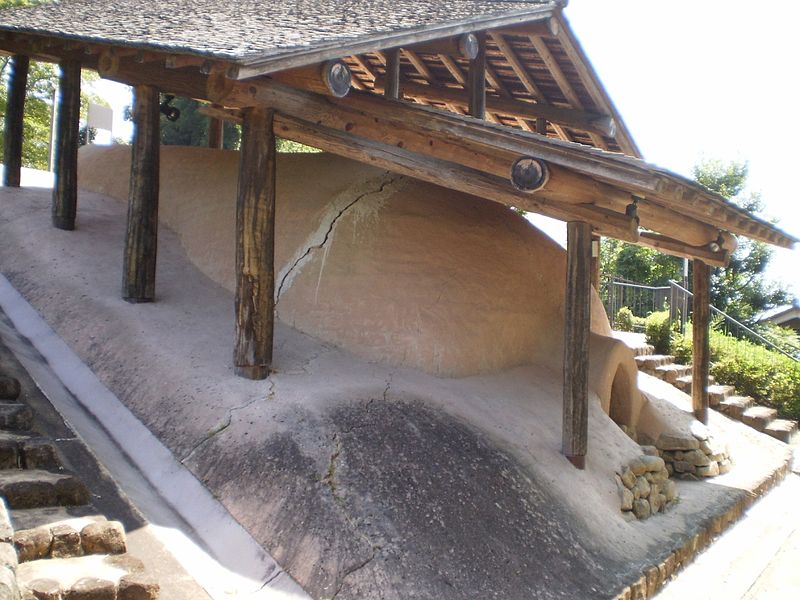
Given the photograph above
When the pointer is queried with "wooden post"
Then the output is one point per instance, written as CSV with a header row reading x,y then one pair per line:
x,y
577,319
701,354
65,188
595,268
477,80
216,131
255,246
392,89
15,110
139,272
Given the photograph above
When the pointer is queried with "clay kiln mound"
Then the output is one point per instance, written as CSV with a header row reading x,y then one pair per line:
x,y
391,269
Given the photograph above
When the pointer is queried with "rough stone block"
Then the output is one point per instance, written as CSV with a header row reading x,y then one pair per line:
x,y
724,466
8,584
33,544
641,508
627,499
650,450
138,586
652,464
758,417
16,417
91,588
29,493
71,491
642,488
39,453
104,537
682,466
637,466
44,589
677,442
8,556
697,458
710,470
6,530
670,490
628,478
66,542
9,453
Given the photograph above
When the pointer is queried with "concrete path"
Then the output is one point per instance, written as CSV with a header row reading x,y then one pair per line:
x,y
756,559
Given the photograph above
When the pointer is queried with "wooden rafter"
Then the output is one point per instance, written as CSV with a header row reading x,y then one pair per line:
x,y
525,77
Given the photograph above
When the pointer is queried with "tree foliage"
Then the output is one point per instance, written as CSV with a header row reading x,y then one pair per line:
x,y
191,129
637,263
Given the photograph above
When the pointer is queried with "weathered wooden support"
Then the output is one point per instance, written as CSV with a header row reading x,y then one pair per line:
x,y
141,241
675,248
701,354
255,246
544,27
331,78
463,46
216,131
15,110
65,188
577,320
392,88
477,80
578,119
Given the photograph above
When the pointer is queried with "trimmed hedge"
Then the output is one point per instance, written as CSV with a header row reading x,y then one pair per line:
x,y
769,377
658,332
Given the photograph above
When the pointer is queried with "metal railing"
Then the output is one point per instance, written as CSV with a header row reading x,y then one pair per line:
x,y
642,300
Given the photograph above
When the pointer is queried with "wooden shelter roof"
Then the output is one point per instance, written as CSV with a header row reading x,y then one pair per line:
x,y
529,68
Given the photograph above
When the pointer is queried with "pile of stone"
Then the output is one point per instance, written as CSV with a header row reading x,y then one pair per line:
x,y
696,455
645,487
62,540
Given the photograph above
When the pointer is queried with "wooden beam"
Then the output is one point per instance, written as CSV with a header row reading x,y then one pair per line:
x,y
525,77
677,248
141,239
65,187
577,320
701,354
332,78
179,61
216,132
543,28
476,84
392,90
14,119
464,46
255,246
602,124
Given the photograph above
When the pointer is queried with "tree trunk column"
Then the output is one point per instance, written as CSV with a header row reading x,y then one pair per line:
x,y
141,241
701,354
595,268
255,243
577,320
477,80
216,131
15,110
65,189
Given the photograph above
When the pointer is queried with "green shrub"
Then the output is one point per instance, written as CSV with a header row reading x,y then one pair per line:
x,y
769,377
658,332
624,319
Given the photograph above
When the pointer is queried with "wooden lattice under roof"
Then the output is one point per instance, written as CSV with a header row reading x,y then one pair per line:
x,y
526,67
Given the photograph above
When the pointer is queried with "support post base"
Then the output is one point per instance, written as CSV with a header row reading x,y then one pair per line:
x,y
254,372
138,300
701,415
579,462
64,223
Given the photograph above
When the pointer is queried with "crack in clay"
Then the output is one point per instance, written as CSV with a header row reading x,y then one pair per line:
x,y
326,237
220,427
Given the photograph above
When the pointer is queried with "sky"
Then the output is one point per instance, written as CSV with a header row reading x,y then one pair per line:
x,y
694,79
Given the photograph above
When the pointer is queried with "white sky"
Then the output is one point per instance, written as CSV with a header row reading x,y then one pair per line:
x,y
693,79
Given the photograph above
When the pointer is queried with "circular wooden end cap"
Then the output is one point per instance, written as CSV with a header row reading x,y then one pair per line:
x,y
468,46
529,174
337,78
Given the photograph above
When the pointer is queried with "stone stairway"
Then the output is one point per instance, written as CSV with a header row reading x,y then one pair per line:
x,y
720,397
62,547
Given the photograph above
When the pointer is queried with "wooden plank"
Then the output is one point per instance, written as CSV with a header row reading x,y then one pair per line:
x,y
392,90
527,81
216,131
701,355
141,240
65,187
14,119
563,83
577,320
476,82
255,246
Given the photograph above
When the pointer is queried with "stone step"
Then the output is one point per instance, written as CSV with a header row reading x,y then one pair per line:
x,y
735,406
648,363
718,393
684,383
758,417
71,538
31,518
642,350
27,451
15,417
97,577
671,372
782,429
9,388
36,488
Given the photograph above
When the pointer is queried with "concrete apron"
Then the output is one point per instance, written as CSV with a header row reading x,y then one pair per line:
x,y
196,529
